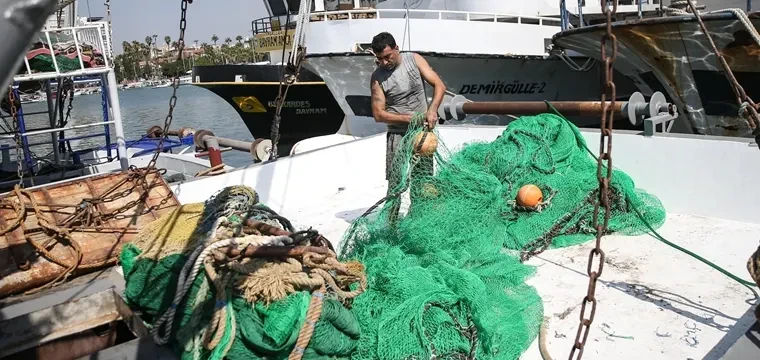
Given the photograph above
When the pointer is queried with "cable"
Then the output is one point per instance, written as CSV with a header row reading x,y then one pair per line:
x,y
748,284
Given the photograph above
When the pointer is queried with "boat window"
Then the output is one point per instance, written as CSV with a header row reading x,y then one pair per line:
x,y
278,7
294,5
336,5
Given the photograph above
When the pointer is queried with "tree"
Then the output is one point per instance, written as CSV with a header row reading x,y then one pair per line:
x,y
228,41
239,39
214,38
168,40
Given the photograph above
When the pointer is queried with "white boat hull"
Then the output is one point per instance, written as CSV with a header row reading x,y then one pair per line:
x,y
477,77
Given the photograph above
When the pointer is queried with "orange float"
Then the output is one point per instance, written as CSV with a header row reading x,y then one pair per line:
x,y
529,196
428,146
429,190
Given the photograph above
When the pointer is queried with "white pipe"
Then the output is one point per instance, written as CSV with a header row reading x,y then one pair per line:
x,y
121,144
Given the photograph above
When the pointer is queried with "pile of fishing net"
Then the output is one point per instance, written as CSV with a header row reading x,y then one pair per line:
x,y
446,278
230,278
44,63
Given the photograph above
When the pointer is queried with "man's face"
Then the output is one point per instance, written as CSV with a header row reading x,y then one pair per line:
x,y
388,58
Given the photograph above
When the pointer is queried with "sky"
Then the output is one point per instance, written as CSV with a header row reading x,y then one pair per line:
x,y
136,19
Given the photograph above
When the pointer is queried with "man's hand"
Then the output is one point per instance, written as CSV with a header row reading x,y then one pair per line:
x,y
431,118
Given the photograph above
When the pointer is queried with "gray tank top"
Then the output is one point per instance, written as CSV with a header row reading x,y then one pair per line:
x,y
403,89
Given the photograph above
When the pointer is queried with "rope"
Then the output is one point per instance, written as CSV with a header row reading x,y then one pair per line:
x,y
307,329
193,266
215,170
542,340
748,284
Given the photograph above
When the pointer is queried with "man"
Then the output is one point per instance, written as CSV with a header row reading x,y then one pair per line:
x,y
398,93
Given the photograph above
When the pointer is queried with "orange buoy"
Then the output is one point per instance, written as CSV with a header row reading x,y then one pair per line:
x,y
428,146
429,190
529,196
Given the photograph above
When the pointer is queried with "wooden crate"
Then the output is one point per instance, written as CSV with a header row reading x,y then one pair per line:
x,y
23,267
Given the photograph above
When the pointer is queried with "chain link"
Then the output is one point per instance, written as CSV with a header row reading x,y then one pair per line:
x,y
16,136
175,85
605,178
67,83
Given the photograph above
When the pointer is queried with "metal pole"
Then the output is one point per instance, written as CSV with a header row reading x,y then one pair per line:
x,y
52,112
214,153
22,133
536,107
121,144
202,137
104,105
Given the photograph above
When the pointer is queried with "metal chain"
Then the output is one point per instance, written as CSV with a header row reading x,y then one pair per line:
x,y
605,159
69,83
16,136
175,85
746,105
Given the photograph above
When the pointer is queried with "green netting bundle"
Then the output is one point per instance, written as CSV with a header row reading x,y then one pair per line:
x,y
44,63
445,276
247,328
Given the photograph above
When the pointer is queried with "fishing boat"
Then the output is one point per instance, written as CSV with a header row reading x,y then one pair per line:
x,y
81,58
331,93
671,54
694,312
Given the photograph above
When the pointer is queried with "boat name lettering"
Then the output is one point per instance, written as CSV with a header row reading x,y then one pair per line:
x,y
314,111
501,87
291,104
274,40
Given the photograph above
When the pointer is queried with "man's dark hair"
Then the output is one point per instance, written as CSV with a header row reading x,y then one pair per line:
x,y
381,40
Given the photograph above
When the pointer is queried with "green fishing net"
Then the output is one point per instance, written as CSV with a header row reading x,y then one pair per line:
x,y
444,255
152,265
44,63
445,276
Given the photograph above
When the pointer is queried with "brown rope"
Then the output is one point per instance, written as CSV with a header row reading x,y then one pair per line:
x,y
20,210
307,329
219,318
216,170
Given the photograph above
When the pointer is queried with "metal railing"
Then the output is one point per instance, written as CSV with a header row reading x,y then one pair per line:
x,y
94,36
624,6
277,23
73,43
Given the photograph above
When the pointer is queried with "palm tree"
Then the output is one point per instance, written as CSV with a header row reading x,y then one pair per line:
x,y
214,38
227,41
239,39
168,41
196,43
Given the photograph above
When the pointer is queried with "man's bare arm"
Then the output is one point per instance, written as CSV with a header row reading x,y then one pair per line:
x,y
378,108
434,80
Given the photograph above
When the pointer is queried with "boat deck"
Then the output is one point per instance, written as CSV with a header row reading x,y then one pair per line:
x,y
653,300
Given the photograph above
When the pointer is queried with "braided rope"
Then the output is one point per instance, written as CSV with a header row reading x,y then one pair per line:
x,y
193,265
307,329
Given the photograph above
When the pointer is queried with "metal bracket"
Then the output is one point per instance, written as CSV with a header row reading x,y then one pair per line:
x,y
665,118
